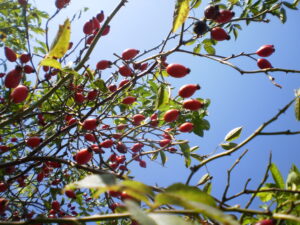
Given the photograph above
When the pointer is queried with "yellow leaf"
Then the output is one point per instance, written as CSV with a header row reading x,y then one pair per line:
x,y
50,62
181,13
60,44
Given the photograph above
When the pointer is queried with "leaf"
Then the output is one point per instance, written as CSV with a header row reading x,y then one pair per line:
x,y
265,196
96,181
162,98
297,108
164,219
50,62
282,16
179,194
228,146
210,49
206,177
185,148
293,177
233,2
197,49
277,176
99,83
60,44
233,134
289,5
181,13
163,157
196,3
191,42
138,214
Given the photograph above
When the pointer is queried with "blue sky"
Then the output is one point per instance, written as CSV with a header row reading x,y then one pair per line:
x,y
237,100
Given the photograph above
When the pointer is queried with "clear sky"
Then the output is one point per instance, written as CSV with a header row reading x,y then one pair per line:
x,y
237,100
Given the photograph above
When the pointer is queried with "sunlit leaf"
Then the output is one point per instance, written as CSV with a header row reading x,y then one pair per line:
x,y
96,181
163,97
277,176
181,13
164,219
138,214
233,134
297,108
51,63
185,148
228,146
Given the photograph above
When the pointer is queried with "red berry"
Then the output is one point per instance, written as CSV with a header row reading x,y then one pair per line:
x,y
103,64
14,139
19,94
186,127
177,70
92,95
121,147
70,194
112,88
224,16
28,69
129,53
3,187
40,176
33,141
219,34
90,137
25,58
83,156
90,39
129,100
106,30
265,50
79,98
88,27
144,66
122,83
10,54
264,64
114,194
171,115
211,12
2,75
55,205
22,2
70,45
188,90
138,118
90,124
143,164
121,159
100,16
266,222
46,68
60,4
13,78
125,71
107,143
96,24
192,104
137,147
164,142
3,205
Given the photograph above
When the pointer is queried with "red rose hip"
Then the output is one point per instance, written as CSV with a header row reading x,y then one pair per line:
x,y
264,64
265,50
177,70
219,34
186,127
171,115
188,90
19,94
192,104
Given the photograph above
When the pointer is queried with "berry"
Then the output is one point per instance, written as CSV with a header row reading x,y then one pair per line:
x,y
265,50
121,147
125,71
188,90
103,64
96,24
28,69
200,27
3,187
264,64
164,142
55,205
4,148
106,30
219,34
266,222
177,70
10,54
25,58
60,3
171,115
22,2
114,194
79,98
107,143
129,53
129,100
137,147
70,194
83,156
13,78
3,205
90,124
122,83
186,127
112,88
33,141
92,95
100,16
224,16
121,159
90,40
88,27
90,137
138,118
192,104
211,12
19,94
143,164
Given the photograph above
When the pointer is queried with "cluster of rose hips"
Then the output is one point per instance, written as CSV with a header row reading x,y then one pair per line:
x,y
213,13
265,51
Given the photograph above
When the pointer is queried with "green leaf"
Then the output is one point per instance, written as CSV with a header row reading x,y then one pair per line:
x,y
289,5
163,157
197,49
265,196
282,16
162,98
185,148
164,219
297,108
210,49
95,181
206,177
296,3
60,44
293,177
233,2
179,194
207,188
277,176
228,146
138,214
233,134
99,83
191,42
196,3
50,62
181,13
